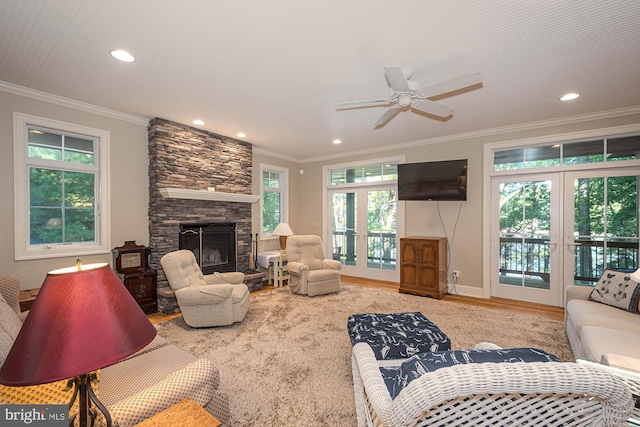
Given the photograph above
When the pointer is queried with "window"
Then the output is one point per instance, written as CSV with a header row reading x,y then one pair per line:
x,y
273,188
364,174
60,189
568,153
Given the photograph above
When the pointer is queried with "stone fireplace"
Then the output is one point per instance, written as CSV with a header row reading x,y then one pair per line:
x,y
185,163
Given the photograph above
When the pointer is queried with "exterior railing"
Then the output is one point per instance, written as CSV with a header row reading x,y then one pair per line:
x,y
381,247
530,256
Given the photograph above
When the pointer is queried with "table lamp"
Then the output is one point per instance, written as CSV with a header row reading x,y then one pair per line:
x,y
283,230
83,319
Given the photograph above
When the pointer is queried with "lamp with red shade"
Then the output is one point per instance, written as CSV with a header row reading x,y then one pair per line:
x,y
83,319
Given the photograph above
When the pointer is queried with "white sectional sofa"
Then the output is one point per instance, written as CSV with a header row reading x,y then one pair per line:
x,y
603,328
601,333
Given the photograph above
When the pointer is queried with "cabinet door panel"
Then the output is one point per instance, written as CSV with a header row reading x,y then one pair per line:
x,y
409,253
430,253
428,278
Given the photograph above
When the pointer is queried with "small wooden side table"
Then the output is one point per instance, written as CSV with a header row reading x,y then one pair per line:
x,y
27,297
184,414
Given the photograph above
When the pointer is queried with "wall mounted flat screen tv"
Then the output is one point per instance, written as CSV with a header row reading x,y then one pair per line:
x,y
441,180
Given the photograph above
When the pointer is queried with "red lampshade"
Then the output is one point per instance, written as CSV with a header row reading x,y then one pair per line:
x,y
82,320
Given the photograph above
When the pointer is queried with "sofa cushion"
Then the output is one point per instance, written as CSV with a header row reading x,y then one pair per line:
x,y
423,363
615,288
588,313
621,361
10,325
597,342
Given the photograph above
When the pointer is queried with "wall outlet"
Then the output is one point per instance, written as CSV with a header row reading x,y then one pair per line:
x,y
456,274
315,224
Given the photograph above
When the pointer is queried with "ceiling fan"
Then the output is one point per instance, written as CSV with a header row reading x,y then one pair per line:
x,y
404,92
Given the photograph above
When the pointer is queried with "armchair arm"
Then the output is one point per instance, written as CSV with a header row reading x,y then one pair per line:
x,y
220,278
331,264
196,381
578,292
199,295
296,268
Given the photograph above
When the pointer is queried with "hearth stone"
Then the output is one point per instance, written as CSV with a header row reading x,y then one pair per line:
x,y
167,302
253,280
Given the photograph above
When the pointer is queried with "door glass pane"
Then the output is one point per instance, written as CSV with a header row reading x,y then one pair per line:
x,y
605,226
381,229
525,234
576,153
542,156
343,224
626,148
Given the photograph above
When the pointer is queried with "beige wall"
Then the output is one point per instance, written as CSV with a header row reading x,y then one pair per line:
x,y
129,183
422,218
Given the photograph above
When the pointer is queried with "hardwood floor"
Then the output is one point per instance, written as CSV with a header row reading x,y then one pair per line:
x,y
546,311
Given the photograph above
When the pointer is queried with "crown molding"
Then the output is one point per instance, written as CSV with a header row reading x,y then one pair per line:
x,y
620,112
67,102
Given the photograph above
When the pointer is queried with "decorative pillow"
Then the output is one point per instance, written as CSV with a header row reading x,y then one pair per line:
x,y
422,363
615,288
10,325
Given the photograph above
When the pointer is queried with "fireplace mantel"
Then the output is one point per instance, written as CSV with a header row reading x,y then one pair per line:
x,y
179,193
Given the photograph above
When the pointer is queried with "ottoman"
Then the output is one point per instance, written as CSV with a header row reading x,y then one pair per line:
x,y
397,335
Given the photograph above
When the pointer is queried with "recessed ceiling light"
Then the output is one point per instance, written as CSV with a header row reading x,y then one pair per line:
x,y
122,55
241,134
198,122
337,141
569,96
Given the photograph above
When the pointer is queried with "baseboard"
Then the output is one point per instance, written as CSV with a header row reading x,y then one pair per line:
x,y
468,291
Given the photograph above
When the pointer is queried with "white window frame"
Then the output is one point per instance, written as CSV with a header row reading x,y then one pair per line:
x,y
23,249
284,196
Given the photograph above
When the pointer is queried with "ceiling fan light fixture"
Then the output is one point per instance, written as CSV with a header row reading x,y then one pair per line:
x,y
569,96
404,100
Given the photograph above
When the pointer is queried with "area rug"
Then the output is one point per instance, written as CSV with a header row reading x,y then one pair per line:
x,y
289,362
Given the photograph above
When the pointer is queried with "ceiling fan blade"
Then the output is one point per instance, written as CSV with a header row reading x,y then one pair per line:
x,y
388,115
397,80
433,108
452,85
361,104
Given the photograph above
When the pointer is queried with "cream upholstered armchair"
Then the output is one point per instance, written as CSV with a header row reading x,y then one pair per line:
x,y
216,299
310,273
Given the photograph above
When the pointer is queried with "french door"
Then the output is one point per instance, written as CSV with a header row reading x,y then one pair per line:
x,y
557,229
603,230
363,230
525,247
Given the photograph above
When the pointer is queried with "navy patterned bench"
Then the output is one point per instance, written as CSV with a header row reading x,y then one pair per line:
x,y
397,335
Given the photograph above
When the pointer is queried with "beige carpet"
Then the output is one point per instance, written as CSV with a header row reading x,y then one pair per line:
x,y
289,362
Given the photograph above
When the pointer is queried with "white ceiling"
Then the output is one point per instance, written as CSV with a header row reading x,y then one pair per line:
x,y
275,69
